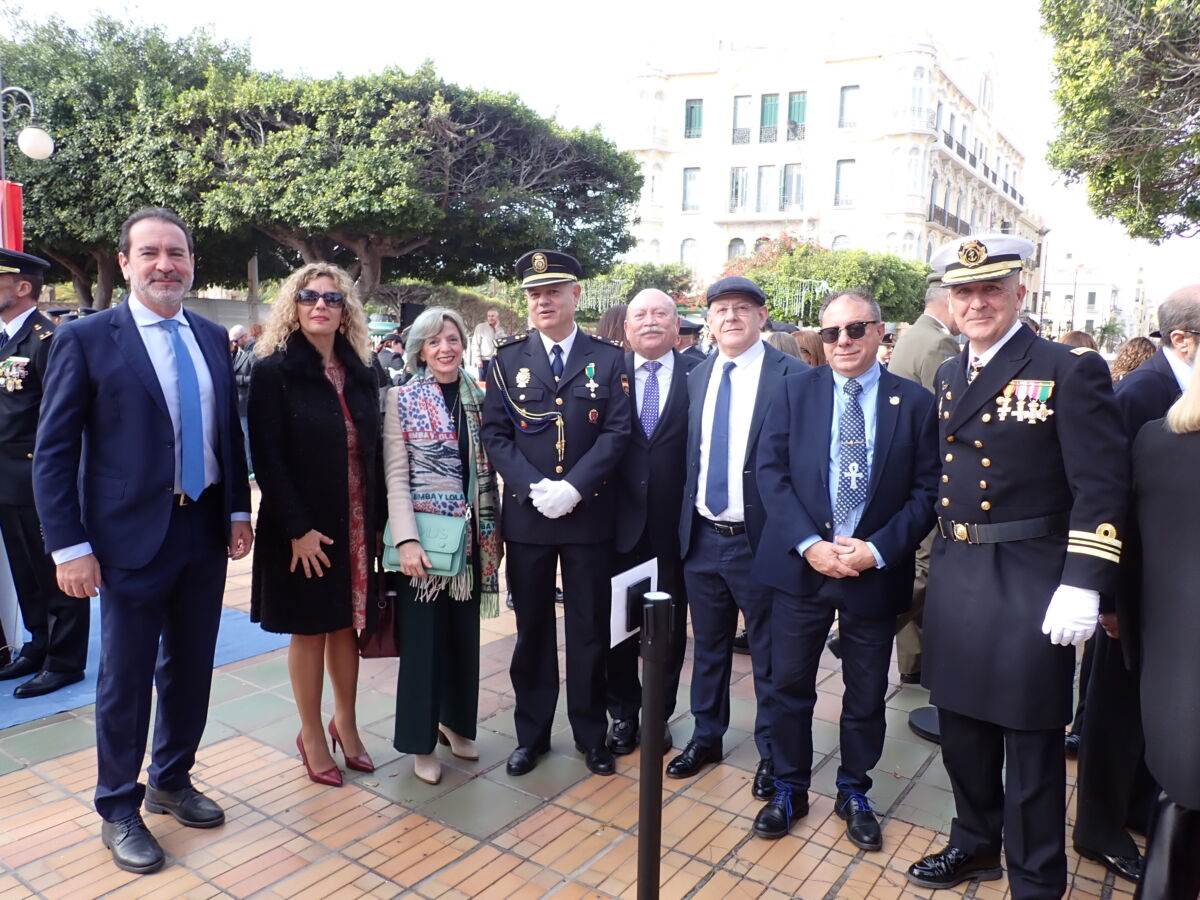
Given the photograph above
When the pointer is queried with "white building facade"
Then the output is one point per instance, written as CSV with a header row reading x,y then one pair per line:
x,y
882,152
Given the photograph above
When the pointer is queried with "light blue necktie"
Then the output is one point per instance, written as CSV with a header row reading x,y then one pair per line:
x,y
852,460
191,421
716,492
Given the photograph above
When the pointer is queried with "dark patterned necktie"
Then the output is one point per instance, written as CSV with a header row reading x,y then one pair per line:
x,y
650,398
556,364
852,459
973,369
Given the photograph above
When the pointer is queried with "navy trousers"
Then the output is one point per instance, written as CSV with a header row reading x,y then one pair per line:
x,y
158,628
799,627
717,573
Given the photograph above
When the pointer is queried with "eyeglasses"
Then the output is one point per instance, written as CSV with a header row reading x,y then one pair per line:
x,y
854,331
310,298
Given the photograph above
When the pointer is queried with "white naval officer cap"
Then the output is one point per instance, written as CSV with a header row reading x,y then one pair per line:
x,y
980,257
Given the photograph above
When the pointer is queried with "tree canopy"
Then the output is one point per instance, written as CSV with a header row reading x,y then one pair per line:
x,y
789,271
1129,95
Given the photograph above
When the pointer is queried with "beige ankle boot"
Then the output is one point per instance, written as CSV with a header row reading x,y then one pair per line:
x,y
427,768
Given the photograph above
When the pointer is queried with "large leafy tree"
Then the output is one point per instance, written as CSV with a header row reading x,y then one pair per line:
x,y
397,175
793,274
1129,94
103,91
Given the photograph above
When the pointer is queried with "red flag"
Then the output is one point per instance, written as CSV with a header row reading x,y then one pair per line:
x,y
11,221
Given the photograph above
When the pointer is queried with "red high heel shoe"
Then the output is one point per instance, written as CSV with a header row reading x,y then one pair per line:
x,y
331,777
360,763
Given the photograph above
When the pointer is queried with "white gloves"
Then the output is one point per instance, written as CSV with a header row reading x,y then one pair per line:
x,y
1071,616
553,499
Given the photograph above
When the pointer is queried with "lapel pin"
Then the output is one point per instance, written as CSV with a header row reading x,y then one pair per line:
x,y
894,400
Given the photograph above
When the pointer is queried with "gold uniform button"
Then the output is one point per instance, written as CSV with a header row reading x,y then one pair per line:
x,y
949,439
558,470
985,462
945,479
945,415
979,445
558,401
985,505
945,501
987,417
983,485
949,457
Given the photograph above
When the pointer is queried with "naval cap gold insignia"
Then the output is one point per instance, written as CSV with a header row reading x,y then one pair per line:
x,y
539,263
972,253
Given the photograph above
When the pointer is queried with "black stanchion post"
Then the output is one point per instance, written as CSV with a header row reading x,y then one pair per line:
x,y
656,646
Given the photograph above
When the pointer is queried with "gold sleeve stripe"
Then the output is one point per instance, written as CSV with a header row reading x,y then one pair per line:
x,y
1092,551
1095,538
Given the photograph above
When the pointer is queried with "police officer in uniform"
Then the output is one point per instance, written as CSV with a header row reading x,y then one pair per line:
x,y
56,653
1031,517
556,422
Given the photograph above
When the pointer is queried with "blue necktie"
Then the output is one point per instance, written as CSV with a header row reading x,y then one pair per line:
x,y
716,491
191,421
556,364
852,460
650,398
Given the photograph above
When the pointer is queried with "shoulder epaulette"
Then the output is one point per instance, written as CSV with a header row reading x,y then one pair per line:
x,y
604,340
511,339
1079,351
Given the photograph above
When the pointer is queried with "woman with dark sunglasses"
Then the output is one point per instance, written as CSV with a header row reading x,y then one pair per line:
x,y
315,438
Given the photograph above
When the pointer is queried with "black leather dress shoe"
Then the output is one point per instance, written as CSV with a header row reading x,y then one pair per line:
x,y
741,642
763,787
522,761
1071,745
599,760
20,667
623,736
862,828
133,847
776,818
693,759
834,643
46,683
188,806
668,741
1127,867
952,866
508,600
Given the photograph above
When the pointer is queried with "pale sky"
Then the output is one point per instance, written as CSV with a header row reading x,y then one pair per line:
x,y
573,61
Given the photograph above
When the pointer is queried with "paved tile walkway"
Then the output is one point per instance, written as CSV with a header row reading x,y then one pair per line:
x,y
559,831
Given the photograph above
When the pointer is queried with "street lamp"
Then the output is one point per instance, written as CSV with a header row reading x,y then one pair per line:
x,y
33,141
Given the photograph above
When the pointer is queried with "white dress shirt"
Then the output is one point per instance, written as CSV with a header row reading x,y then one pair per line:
x,y
987,355
744,383
11,328
566,343
1181,370
157,342
641,375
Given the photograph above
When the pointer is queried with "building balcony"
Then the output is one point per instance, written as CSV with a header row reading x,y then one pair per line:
x,y
741,135
767,134
691,133
795,131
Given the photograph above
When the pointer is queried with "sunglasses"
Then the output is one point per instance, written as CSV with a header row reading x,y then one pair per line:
x,y
331,298
854,331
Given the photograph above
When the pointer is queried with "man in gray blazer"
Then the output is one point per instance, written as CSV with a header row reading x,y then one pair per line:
x,y
925,345
722,520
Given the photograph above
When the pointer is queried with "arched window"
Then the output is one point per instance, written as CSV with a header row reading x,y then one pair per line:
x,y
914,169
687,253
928,250
655,250
760,243
841,242
918,92
737,247
910,245
892,244
933,186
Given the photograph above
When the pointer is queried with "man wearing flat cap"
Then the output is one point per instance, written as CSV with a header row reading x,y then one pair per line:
x,y
555,424
722,520
1031,512
56,652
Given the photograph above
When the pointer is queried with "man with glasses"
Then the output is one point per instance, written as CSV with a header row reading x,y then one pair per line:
x,y
1031,513
722,521
847,470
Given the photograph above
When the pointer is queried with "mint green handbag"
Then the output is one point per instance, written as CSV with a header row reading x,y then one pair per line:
x,y
443,538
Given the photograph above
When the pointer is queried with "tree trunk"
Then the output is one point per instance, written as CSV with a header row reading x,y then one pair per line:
x,y
83,288
106,279
370,271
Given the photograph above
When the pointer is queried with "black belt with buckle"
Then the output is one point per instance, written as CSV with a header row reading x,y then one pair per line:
x,y
728,529
1002,532
182,499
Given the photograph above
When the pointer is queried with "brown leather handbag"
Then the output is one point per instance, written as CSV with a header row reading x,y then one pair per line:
x,y
380,638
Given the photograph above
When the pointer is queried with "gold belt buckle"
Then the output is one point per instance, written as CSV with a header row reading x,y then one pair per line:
x,y
182,499
961,533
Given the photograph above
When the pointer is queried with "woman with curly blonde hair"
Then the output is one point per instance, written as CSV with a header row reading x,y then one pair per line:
x,y
315,437
1130,355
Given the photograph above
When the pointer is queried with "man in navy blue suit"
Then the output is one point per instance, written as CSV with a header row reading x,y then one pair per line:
x,y
141,485
722,521
848,478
